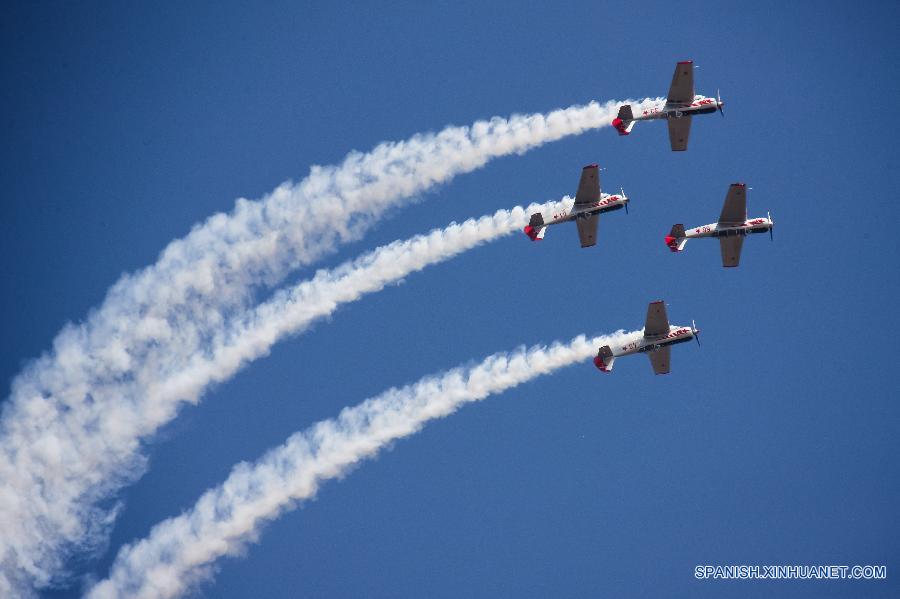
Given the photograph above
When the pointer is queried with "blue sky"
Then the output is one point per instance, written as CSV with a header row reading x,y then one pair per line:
x,y
775,442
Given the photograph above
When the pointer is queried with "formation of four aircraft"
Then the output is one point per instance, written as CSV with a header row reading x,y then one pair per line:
x,y
733,225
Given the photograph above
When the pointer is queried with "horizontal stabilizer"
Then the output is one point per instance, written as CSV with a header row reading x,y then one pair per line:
x,y
676,239
535,228
604,360
625,121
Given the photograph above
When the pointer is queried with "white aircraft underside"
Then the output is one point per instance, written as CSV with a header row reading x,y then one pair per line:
x,y
680,105
655,340
731,229
589,204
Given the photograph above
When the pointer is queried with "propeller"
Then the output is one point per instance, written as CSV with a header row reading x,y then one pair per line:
x,y
622,189
771,226
696,332
719,103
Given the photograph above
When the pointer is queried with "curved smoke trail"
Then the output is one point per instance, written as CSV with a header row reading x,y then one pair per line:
x,y
292,310
180,551
68,436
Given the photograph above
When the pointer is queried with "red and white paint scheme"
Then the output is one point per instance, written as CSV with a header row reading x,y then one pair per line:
x,y
585,211
731,229
679,106
655,340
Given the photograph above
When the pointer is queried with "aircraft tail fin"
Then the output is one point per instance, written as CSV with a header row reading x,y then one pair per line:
x,y
625,121
535,228
676,239
604,360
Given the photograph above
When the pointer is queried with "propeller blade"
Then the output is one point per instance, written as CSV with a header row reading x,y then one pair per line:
x,y
719,104
695,332
771,227
622,189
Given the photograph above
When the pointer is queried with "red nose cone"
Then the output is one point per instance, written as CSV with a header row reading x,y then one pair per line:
x,y
598,362
669,240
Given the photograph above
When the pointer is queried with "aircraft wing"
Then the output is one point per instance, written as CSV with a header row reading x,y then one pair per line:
x,y
682,89
588,187
657,320
734,211
587,230
731,250
660,359
679,131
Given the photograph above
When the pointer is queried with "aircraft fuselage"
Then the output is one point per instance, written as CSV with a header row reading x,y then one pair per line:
x,y
665,110
641,344
606,203
753,225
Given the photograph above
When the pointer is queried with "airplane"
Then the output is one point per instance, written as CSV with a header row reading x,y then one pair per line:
x,y
589,205
731,229
680,105
655,340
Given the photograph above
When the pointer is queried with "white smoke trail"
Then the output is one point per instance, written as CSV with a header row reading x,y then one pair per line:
x,y
291,310
68,435
66,441
179,551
